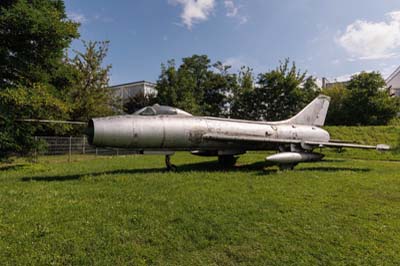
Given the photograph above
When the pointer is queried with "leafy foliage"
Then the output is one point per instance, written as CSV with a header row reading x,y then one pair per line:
x,y
138,101
277,95
242,100
90,95
337,108
194,87
19,103
277,92
363,101
33,37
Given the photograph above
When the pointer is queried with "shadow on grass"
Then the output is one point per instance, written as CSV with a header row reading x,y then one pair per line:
x,y
334,169
213,166
11,167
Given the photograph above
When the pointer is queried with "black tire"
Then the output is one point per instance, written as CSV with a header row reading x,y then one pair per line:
x,y
287,167
172,168
227,160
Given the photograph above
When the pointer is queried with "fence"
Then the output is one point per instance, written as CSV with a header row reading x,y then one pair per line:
x,y
73,145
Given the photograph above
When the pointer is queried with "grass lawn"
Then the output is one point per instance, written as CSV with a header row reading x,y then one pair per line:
x,y
128,210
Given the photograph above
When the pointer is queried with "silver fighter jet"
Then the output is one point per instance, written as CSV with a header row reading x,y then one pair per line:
x,y
163,130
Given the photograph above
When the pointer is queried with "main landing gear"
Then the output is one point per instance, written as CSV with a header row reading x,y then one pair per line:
x,y
227,160
170,166
286,167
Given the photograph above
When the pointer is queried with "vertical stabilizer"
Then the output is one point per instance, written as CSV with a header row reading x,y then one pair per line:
x,y
313,114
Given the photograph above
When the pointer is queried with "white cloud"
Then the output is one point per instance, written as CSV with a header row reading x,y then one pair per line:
x,y
372,40
77,17
194,11
232,11
235,62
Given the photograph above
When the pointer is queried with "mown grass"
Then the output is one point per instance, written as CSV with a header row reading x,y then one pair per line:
x,y
130,211
371,135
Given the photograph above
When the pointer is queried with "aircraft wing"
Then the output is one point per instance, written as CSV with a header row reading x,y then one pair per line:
x,y
244,138
319,144
380,147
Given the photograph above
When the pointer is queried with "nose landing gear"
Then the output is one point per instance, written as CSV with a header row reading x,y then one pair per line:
x,y
170,166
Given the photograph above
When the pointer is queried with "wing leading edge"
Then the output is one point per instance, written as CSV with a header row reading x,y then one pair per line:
x,y
316,144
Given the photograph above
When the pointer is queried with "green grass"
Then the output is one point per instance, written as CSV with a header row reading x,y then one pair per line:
x,y
129,211
370,135
367,134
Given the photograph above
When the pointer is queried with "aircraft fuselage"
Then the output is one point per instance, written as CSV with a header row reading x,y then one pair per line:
x,y
185,133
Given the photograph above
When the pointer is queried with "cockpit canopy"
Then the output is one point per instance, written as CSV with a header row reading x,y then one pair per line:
x,y
160,110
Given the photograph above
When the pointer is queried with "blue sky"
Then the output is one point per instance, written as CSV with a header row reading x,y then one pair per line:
x,y
328,38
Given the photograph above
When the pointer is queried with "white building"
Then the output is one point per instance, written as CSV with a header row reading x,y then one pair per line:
x,y
127,90
393,82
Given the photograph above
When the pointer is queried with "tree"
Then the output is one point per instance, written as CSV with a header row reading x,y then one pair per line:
x,y
242,97
307,92
363,101
277,92
217,89
90,95
138,101
33,37
21,103
193,86
167,84
368,102
337,110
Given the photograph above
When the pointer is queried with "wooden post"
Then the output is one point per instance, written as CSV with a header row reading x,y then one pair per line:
x,y
83,146
70,149
35,159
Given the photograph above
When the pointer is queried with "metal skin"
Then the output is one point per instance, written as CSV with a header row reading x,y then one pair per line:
x,y
166,129
185,133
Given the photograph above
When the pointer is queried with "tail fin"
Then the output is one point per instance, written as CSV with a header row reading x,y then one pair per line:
x,y
313,114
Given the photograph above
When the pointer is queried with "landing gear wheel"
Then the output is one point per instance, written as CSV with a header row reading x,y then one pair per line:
x,y
227,160
170,166
286,167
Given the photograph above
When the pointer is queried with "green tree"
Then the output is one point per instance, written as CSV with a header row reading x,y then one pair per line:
x,y
33,38
337,110
217,89
90,95
193,86
368,102
364,100
278,92
167,85
242,97
307,92
139,101
19,103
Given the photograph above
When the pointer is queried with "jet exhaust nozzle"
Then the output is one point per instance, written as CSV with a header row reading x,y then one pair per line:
x,y
90,131
294,157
